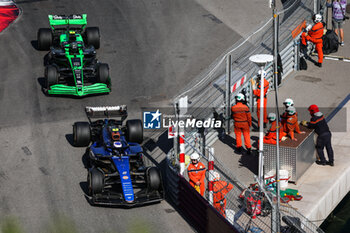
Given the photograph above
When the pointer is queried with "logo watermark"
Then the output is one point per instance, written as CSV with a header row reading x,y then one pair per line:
x,y
152,120
157,120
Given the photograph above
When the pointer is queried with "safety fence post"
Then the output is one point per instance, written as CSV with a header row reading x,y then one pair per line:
x,y
228,93
316,6
276,208
182,150
176,129
211,175
296,54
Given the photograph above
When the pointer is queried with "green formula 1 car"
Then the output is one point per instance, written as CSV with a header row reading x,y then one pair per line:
x,y
71,64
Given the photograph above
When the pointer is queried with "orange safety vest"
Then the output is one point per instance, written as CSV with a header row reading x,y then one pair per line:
x,y
284,118
241,114
292,124
316,31
197,174
272,131
266,88
220,189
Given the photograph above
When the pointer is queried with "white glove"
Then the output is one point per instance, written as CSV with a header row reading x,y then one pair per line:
x,y
308,28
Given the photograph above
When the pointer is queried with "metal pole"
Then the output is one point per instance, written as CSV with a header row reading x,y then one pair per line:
x,y
296,55
261,128
182,150
326,10
275,56
181,138
211,177
203,142
176,139
316,4
228,93
251,97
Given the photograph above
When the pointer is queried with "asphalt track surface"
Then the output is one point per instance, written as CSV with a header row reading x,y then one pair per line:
x,y
153,49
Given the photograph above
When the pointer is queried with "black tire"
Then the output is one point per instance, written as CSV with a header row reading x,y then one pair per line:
x,y
102,73
93,36
95,181
44,39
51,76
81,134
153,178
134,131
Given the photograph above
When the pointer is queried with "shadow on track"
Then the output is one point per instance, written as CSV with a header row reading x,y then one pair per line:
x,y
69,138
34,44
85,187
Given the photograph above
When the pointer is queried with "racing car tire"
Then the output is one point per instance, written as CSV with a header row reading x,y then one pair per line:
x,y
81,134
44,39
95,181
153,178
103,73
93,36
51,76
134,131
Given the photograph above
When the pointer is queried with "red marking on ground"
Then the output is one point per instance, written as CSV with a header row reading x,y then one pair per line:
x,y
7,15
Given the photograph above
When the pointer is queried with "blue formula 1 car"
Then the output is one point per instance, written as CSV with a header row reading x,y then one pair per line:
x,y
117,175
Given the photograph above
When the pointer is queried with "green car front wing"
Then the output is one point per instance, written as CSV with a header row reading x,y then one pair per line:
x,y
61,89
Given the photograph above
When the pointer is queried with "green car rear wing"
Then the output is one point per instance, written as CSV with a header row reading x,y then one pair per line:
x,y
68,21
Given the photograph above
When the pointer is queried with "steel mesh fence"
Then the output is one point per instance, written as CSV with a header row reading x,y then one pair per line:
x,y
238,211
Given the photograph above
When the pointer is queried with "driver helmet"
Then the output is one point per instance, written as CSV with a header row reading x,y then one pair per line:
x,y
115,134
74,46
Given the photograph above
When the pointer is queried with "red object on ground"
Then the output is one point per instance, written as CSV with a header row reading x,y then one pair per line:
x,y
253,206
7,15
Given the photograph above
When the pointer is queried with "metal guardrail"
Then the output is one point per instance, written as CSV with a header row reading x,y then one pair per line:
x,y
209,92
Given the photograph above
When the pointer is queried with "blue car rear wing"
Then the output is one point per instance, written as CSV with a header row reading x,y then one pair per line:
x,y
119,111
